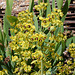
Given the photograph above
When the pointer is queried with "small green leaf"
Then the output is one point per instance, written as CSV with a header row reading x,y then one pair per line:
x,y
12,19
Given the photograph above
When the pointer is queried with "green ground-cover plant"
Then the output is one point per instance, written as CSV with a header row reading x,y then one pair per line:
x,y
37,48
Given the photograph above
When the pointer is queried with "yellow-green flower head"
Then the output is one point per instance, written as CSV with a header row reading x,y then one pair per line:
x,y
14,58
39,38
1,57
55,9
69,62
72,50
58,38
16,70
52,38
26,54
57,22
41,6
47,64
27,68
12,24
44,22
58,10
37,55
25,45
25,16
4,72
23,63
52,28
49,15
13,30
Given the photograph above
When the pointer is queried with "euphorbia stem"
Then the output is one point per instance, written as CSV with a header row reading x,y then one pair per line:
x,y
41,67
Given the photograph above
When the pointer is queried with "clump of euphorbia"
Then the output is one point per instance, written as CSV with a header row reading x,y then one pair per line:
x,y
35,52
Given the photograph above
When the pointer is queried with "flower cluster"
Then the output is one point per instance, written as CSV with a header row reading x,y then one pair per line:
x,y
58,38
31,48
68,67
65,68
52,20
72,50
38,38
24,41
41,6
4,72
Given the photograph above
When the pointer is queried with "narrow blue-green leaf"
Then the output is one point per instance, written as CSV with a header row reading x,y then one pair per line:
x,y
31,5
48,11
13,64
36,22
39,1
62,29
69,41
52,70
59,49
57,31
2,44
53,4
74,39
65,9
74,71
8,52
57,46
63,46
10,4
63,18
1,36
59,3
8,10
48,35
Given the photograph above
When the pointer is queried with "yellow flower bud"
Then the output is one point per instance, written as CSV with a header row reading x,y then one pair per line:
x,y
52,28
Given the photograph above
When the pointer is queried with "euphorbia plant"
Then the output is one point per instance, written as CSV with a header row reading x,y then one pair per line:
x,y
37,49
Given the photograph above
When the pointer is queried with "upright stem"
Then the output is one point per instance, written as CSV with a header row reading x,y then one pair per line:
x,y
41,67
74,68
39,1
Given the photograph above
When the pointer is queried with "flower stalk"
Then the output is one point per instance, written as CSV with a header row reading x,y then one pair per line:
x,y
41,67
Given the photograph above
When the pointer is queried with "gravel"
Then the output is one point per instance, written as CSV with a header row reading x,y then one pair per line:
x,y
18,5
